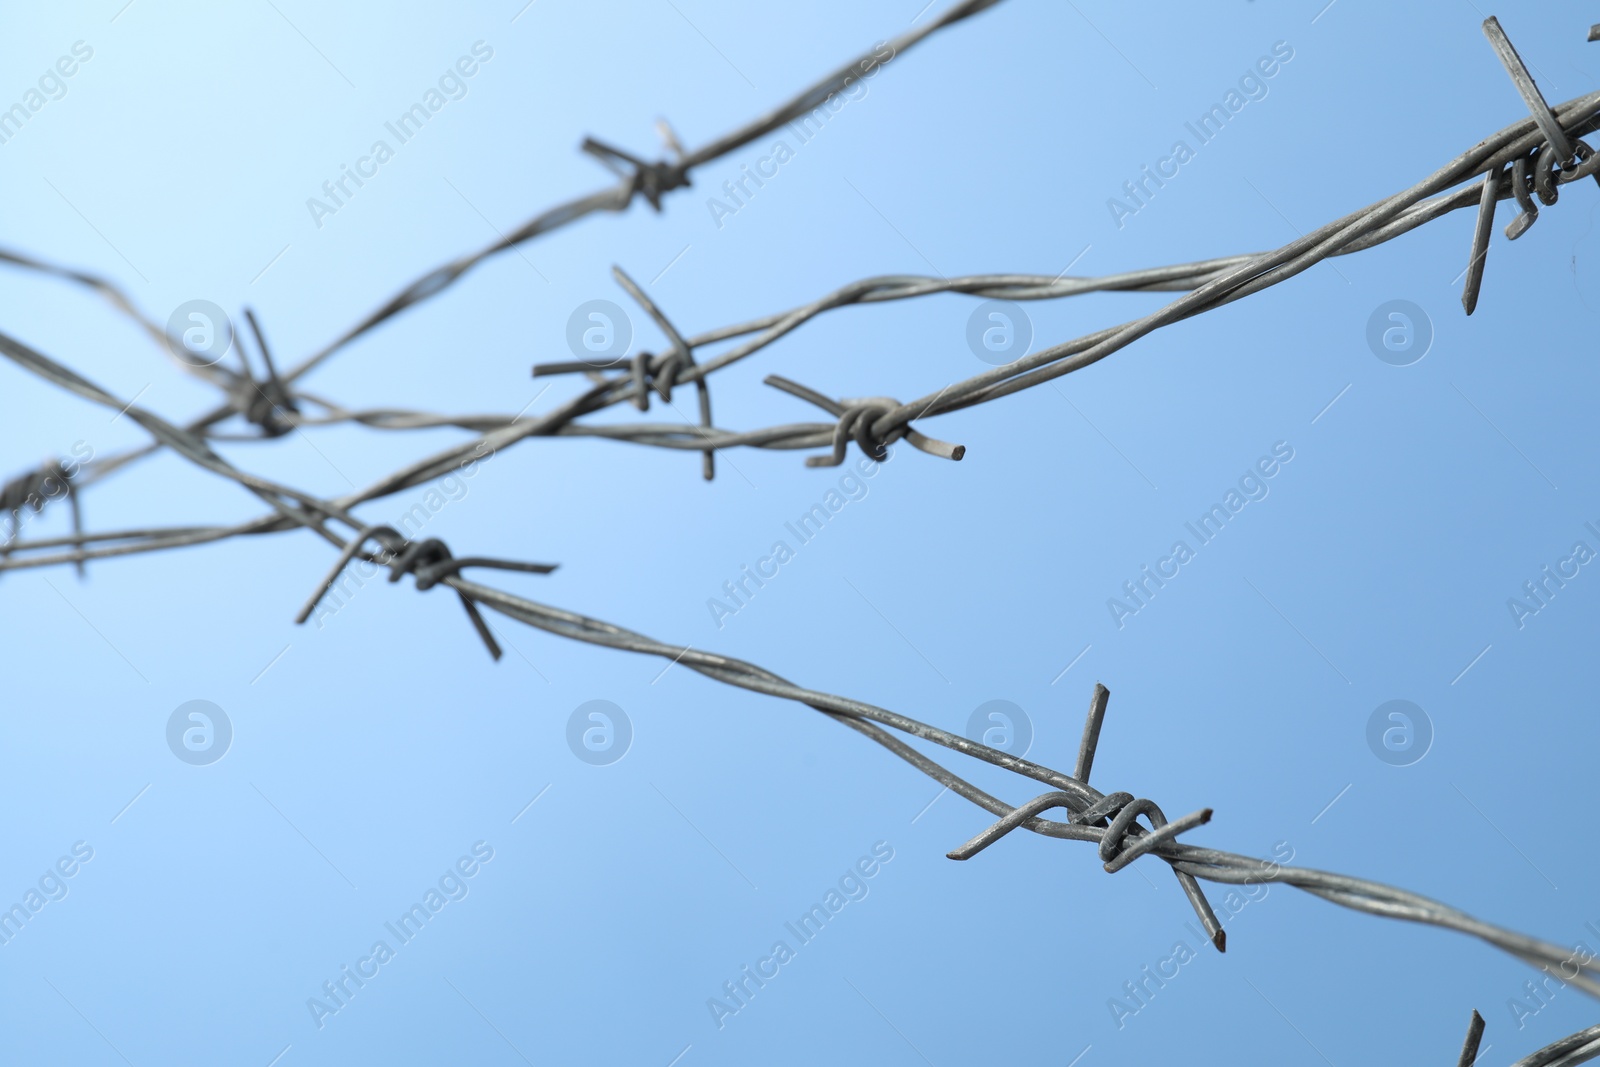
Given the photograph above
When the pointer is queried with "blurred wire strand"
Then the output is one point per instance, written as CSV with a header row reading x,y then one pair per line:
x,y
1532,158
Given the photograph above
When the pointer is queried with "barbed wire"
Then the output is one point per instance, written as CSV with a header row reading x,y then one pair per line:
x,y
1569,1051
1109,820
1529,159
1536,169
649,180
877,422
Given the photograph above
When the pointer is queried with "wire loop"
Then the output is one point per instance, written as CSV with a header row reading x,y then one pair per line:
x,y
650,180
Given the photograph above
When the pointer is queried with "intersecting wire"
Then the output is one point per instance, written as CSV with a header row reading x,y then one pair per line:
x,y
1540,157
636,178
1108,820
876,423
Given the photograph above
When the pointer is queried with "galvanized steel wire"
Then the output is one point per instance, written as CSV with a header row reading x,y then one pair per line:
x,y
1530,158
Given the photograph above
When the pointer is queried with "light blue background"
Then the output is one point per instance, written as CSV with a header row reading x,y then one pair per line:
x,y
379,748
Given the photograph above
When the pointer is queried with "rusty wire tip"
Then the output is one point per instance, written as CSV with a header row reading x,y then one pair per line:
x,y
1220,940
1091,732
1469,1048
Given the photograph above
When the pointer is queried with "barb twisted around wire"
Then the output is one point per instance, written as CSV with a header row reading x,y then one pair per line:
x,y
1569,1051
1528,160
295,508
30,491
1208,284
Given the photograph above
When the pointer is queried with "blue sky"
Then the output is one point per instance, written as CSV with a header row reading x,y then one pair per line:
x,y
376,754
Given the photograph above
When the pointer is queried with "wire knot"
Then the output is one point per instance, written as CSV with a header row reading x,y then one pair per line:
x,y
31,491
665,369
428,561
1540,173
650,180
856,419
1110,819
658,373
266,404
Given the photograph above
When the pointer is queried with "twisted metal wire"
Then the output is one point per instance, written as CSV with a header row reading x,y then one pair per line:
x,y
1108,820
1569,1051
31,491
1538,153
1208,284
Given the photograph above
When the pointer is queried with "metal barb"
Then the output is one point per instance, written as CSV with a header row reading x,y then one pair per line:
x,y
1123,840
1480,239
1091,732
665,371
265,403
1469,1048
31,491
651,180
856,420
1543,158
1519,188
1548,123
428,561
1010,822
